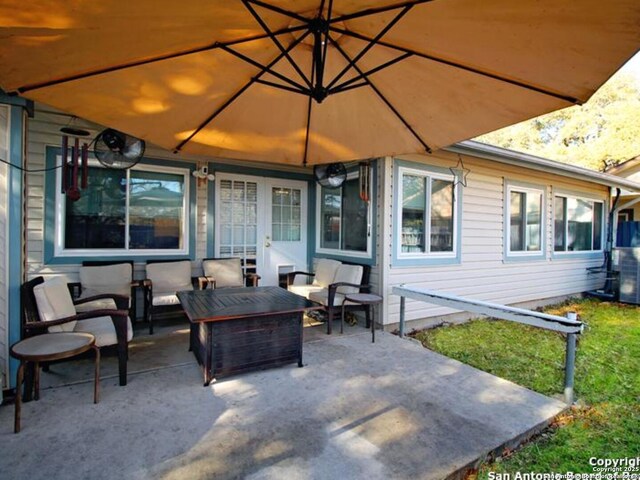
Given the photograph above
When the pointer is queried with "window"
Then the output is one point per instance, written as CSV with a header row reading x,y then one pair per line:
x,y
578,224
427,213
525,222
344,219
126,210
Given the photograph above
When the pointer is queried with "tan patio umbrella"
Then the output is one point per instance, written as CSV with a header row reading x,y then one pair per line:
x,y
312,81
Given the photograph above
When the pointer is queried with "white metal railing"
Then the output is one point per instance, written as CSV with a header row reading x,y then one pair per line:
x,y
568,325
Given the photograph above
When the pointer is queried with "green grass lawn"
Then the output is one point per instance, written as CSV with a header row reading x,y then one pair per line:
x,y
606,422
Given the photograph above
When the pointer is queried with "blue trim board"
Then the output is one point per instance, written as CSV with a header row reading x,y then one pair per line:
x,y
50,214
15,255
427,259
16,101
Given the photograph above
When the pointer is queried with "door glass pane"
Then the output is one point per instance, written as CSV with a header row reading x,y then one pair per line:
x,y
285,224
441,216
414,194
516,225
238,219
97,219
156,208
560,241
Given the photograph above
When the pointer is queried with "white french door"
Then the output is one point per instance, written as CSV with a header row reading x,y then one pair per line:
x,y
263,221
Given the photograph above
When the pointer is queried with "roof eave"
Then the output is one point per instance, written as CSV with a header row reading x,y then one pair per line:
x,y
511,157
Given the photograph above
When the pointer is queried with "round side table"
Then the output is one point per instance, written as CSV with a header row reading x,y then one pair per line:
x,y
47,348
362,299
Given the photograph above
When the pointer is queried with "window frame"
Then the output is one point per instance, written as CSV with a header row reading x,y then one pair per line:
x,y
579,253
430,172
59,215
335,252
522,187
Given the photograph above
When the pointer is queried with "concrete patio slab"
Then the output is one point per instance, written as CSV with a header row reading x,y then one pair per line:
x,y
356,410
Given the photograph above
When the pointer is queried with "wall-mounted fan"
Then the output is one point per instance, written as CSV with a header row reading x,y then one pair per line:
x,y
332,175
117,150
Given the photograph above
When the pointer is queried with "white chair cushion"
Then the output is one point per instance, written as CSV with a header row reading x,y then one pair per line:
x,y
54,302
226,272
164,299
102,328
101,304
325,271
106,279
323,297
349,274
304,290
170,276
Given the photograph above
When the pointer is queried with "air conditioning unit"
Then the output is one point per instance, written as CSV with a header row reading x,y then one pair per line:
x,y
627,262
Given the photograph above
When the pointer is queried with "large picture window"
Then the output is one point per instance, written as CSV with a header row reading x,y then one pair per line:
x,y
126,210
343,218
525,220
428,214
578,224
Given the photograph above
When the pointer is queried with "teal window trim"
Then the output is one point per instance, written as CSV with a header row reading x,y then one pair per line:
x,y
255,172
582,254
365,258
423,259
50,257
14,233
517,256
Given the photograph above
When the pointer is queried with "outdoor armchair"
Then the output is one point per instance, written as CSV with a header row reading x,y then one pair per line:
x,y
164,279
226,272
48,307
333,280
106,277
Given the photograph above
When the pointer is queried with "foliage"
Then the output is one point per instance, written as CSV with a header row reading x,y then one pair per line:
x,y
604,129
606,423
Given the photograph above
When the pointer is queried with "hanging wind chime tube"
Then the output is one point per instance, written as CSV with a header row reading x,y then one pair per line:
x,y
85,165
364,181
65,165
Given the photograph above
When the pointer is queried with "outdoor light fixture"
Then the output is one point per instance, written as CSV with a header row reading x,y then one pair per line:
x,y
203,174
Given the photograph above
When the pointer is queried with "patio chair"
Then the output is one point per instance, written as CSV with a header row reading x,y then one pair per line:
x,y
164,279
333,280
99,277
226,272
48,307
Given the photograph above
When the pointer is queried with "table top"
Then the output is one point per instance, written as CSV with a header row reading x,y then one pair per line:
x,y
230,303
52,346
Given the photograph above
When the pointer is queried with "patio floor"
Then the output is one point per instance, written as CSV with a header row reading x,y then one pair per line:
x,y
356,410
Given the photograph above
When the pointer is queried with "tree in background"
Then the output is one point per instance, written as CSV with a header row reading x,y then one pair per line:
x,y
603,132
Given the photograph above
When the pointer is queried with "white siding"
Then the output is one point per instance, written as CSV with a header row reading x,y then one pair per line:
x,y
43,131
483,274
4,304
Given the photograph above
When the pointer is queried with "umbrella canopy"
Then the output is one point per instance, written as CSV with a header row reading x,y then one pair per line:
x,y
307,82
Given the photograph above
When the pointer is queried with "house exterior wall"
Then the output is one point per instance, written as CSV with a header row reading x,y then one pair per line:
x,y
483,272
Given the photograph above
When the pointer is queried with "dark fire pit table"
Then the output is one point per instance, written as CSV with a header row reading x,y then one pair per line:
x,y
236,330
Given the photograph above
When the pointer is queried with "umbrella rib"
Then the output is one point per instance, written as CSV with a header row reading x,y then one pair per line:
x,y
282,11
382,97
517,83
267,69
345,85
306,137
371,43
275,40
244,88
375,11
138,63
283,87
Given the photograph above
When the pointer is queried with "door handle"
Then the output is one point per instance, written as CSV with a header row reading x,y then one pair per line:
x,y
267,244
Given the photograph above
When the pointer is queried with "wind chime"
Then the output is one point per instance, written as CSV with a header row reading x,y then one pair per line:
x,y
364,181
75,162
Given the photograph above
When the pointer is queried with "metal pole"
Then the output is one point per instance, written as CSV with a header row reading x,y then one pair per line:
x,y
402,316
570,362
